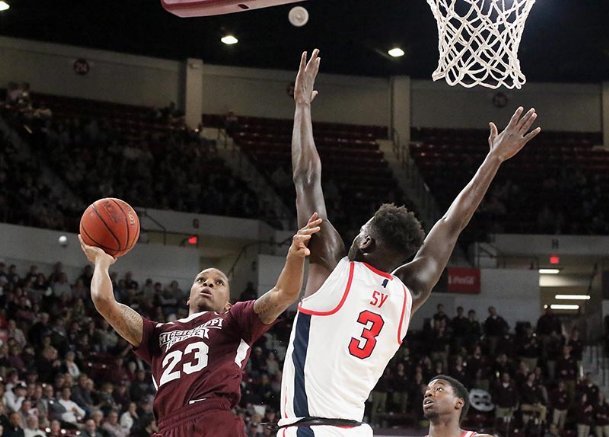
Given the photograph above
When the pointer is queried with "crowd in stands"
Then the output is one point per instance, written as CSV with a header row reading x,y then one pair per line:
x,y
161,164
26,195
64,368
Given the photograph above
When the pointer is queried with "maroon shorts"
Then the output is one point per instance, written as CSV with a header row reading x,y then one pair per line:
x,y
206,418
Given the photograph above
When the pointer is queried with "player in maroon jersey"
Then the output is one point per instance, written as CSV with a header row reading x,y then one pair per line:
x,y
445,404
197,362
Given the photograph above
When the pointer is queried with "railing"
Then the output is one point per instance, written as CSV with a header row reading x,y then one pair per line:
x,y
260,244
144,213
429,208
501,259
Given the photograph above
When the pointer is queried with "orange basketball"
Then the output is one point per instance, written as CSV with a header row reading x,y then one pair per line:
x,y
110,224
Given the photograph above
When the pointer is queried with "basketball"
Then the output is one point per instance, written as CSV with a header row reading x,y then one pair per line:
x,y
110,224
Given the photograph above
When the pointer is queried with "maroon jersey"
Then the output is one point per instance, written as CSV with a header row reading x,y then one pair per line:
x,y
201,356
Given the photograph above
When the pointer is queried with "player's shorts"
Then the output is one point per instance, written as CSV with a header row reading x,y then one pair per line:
x,y
363,430
207,418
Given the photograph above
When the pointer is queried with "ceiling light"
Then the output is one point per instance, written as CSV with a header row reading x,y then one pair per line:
x,y
549,271
572,297
4,6
396,52
564,307
229,40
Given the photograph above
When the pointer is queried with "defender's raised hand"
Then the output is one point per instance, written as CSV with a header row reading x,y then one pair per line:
x,y
300,241
305,80
513,138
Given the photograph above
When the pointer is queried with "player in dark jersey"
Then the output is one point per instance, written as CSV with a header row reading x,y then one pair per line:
x,y
197,362
445,404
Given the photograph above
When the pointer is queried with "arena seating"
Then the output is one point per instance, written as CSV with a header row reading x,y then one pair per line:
x,y
142,155
557,184
351,160
39,351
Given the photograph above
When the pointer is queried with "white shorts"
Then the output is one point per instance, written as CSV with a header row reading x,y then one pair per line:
x,y
364,430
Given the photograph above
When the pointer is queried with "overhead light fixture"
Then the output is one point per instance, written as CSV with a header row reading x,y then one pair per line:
x,y
556,306
4,6
572,297
549,271
396,52
229,40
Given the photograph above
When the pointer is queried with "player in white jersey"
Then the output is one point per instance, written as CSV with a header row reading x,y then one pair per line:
x,y
355,314
445,404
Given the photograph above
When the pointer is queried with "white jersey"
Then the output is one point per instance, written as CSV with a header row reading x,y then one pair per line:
x,y
343,338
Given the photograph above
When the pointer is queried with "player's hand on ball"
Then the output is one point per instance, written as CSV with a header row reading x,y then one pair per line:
x,y
305,79
95,254
300,241
513,138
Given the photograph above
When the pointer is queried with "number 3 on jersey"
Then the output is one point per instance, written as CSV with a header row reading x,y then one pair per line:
x,y
172,359
362,347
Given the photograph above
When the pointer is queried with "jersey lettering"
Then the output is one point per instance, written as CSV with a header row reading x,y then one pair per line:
x,y
363,347
378,298
200,352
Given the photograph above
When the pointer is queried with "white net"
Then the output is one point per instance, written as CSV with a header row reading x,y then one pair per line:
x,y
479,40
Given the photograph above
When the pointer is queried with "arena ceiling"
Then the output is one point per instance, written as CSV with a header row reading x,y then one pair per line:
x,y
564,40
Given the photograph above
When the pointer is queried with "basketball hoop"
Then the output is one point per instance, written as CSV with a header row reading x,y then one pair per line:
x,y
478,41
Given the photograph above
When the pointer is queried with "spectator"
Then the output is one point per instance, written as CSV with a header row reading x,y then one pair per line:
x,y
91,429
459,326
112,426
587,386
32,429
61,288
440,317
547,325
379,397
505,397
73,413
577,347
26,410
15,427
601,417
15,333
272,365
495,327
532,400
529,349
560,405
14,398
566,369
440,342
129,417
474,330
584,416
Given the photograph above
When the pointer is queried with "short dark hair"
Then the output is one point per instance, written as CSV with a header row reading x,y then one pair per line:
x,y
398,228
459,390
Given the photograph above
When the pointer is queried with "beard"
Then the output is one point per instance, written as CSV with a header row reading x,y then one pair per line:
x,y
354,253
430,414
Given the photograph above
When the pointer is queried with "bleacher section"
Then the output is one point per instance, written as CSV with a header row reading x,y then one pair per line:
x,y
557,184
356,176
146,156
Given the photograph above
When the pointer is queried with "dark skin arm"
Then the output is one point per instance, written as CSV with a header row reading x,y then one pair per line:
x,y
270,305
423,272
125,321
327,247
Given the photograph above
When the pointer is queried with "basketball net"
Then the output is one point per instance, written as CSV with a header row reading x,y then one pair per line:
x,y
479,42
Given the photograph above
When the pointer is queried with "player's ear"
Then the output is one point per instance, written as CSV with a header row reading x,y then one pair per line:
x,y
227,306
366,243
459,404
